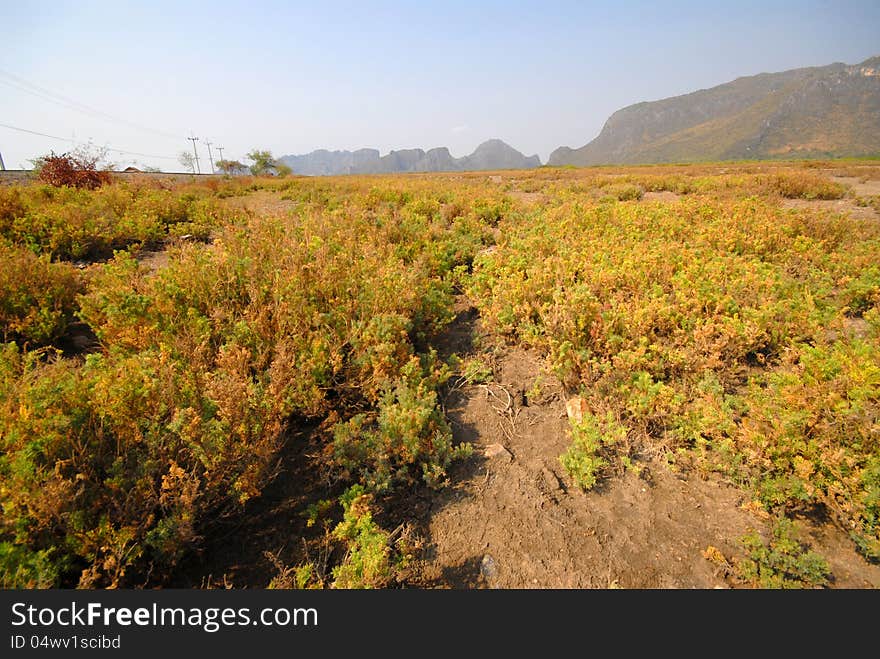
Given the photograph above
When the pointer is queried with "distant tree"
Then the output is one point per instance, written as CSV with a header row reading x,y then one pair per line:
x,y
264,162
266,165
231,166
188,161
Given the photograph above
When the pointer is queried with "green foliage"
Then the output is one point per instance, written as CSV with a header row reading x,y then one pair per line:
x,y
110,463
20,568
12,206
623,191
299,577
867,537
590,438
408,433
720,329
263,162
37,297
810,423
67,223
475,371
783,563
863,292
367,563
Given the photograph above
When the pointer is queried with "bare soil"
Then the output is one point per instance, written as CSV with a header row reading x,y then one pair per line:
x,y
842,206
262,202
541,531
512,518
154,260
663,195
863,188
528,198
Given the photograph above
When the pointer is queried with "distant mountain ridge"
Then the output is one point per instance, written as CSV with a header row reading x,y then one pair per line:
x,y
822,111
492,154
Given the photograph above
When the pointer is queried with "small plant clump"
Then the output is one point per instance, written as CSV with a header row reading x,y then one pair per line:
x,y
804,185
367,563
37,297
783,562
591,438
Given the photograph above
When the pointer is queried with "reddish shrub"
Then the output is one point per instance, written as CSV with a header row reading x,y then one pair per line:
x,y
73,171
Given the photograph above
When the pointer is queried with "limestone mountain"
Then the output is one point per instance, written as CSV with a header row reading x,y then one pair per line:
x,y
492,154
495,154
822,111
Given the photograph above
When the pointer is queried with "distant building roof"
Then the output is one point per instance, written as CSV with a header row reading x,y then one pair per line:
x,y
131,169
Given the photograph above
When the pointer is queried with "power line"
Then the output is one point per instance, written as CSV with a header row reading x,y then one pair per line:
x,y
21,84
41,92
33,132
67,139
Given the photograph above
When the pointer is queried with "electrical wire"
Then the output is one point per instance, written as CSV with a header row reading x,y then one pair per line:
x,y
67,139
19,83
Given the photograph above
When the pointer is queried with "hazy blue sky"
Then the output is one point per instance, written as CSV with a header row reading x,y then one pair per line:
x,y
296,76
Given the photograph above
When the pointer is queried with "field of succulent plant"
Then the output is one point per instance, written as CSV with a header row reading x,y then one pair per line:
x,y
699,319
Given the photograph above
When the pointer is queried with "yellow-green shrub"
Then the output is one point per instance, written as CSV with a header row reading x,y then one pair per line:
x,y
803,185
111,465
703,326
37,298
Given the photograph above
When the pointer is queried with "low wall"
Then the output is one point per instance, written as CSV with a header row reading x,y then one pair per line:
x,y
12,176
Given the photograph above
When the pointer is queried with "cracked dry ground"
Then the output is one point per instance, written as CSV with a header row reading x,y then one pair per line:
x,y
515,520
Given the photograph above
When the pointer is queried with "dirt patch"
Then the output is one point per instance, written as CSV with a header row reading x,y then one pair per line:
x,y
662,195
854,327
848,568
539,530
842,206
154,260
263,202
512,517
528,198
867,188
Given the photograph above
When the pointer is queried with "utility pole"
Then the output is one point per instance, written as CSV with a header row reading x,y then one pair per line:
x,y
220,149
210,156
2,166
194,140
